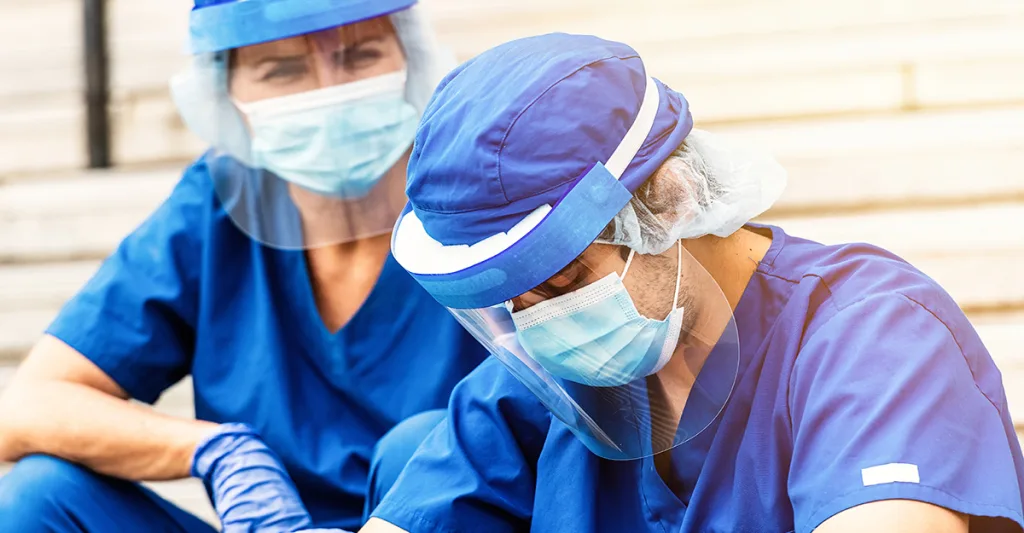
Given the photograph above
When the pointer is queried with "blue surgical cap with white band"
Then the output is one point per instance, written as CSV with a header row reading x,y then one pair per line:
x,y
524,155
219,25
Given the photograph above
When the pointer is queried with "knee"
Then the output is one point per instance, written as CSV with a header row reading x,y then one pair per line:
x,y
33,490
398,445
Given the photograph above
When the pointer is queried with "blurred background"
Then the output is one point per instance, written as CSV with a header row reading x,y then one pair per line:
x,y
901,123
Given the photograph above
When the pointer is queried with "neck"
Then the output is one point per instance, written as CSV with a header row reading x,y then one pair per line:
x,y
333,258
731,261
327,220
343,275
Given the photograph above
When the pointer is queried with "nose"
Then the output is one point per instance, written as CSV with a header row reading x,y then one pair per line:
x,y
325,48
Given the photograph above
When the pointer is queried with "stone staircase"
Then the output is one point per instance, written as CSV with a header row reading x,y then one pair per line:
x,y
901,122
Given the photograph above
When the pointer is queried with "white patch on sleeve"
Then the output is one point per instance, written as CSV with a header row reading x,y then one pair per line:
x,y
890,473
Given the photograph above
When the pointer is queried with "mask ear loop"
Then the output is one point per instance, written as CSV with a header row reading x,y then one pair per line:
x,y
679,270
629,261
679,274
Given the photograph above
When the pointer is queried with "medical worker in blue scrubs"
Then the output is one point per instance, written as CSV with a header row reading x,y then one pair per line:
x,y
660,363
267,277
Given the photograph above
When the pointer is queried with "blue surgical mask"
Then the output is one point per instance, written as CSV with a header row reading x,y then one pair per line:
x,y
338,141
595,335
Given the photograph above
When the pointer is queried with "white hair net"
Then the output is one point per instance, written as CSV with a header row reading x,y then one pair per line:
x,y
708,186
201,91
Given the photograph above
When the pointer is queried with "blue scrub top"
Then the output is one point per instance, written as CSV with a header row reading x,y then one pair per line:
x,y
860,380
189,293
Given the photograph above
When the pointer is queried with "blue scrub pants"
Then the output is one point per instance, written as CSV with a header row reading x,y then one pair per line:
x,y
44,494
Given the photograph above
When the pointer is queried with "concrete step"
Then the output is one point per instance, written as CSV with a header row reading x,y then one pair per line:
x,y
85,192
872,179
824,58
908,159
86,219
64,239
19,331
979,279
146,41
82,216
736,61
845,163
50,137
920,233
43,286
148,36
972,251
978,282
736,44
886,135
710,19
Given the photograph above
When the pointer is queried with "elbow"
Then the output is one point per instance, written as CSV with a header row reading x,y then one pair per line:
x,y
7,453
10,431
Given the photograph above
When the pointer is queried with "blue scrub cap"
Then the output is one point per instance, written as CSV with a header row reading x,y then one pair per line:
x,y
523,155
218,25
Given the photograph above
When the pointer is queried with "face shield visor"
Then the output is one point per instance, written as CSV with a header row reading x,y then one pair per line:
x,y
636,354
311,109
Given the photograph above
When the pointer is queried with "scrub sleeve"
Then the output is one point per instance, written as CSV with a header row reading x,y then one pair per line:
x,y
486,454
135,319
888,403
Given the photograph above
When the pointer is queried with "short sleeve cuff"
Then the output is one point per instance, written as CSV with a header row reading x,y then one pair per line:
x,y
906,491
406,517
101,338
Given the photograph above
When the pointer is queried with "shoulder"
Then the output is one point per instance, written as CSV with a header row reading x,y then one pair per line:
x,y
909,332
853,278
196,184
189,198
174,233
193,206
492,396
491,384
859,301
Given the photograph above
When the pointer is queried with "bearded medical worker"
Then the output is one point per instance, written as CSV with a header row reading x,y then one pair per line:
x,y
267,277
660,363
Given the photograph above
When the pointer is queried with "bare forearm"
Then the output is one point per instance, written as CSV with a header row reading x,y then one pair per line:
x,y
107,434
376,525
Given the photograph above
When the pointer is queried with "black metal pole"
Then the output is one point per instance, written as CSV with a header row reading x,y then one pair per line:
x,y
97,83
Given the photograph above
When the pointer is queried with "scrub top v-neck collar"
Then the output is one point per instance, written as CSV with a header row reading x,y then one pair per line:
x,y
331,351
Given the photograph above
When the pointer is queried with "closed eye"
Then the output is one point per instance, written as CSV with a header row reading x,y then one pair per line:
x,y
573,277
283,68
359,56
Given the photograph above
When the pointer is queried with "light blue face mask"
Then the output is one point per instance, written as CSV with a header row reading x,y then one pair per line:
x,y
595,335
337,141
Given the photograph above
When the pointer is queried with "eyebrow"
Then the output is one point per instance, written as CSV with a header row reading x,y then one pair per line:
x,y
280,59
378,28
356,41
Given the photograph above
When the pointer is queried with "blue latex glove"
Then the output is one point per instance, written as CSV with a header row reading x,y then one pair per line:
x,y
251,489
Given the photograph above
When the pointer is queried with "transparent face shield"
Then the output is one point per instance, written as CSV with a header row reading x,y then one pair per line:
x,y
311,133
635,354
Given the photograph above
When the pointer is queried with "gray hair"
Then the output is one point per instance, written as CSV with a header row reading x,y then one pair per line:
x,y
708,186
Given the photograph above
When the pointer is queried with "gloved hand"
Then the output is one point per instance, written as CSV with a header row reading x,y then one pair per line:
x,y
251,489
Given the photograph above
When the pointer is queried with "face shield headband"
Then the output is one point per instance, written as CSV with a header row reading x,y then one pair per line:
x,y
234,24
508,264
